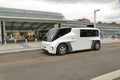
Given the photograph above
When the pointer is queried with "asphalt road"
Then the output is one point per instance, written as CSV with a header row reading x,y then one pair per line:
x,y
82,65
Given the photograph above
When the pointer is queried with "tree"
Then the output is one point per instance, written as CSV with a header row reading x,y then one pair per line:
x,y
99,22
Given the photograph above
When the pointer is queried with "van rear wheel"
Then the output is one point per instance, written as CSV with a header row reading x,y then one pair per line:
x,y
62,49
97,46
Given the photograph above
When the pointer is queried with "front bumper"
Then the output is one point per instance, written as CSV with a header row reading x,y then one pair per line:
x,y
47,47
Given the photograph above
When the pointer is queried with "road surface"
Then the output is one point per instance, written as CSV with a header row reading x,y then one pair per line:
x,y
82,65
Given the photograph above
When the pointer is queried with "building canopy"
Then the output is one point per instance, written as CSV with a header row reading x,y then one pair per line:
x,y
29,14
20,19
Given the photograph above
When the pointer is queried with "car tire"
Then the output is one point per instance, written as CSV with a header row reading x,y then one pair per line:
x,y
62,49
97,45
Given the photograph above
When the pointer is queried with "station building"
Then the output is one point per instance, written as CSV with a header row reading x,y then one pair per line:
x,y
18,25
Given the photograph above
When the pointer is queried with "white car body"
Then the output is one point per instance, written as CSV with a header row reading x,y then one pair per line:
x,y
72,40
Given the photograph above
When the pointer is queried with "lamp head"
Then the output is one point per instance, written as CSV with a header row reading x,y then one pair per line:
x,y
97,10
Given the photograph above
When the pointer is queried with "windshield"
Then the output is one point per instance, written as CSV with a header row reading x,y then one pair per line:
x,y
50,34
55,33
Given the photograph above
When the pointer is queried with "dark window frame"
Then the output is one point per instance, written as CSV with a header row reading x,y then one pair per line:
x,y
89,33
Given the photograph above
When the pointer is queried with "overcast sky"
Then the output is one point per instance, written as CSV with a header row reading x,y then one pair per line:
x,y
71,9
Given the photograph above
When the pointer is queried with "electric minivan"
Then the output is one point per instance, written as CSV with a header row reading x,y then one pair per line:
x,y
66,40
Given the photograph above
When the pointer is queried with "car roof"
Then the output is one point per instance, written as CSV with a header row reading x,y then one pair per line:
x,y
79,28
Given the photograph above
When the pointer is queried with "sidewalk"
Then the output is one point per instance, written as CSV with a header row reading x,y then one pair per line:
x,y
12,47
109,40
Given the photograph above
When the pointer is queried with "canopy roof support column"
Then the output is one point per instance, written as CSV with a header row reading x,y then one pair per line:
x,y
3,31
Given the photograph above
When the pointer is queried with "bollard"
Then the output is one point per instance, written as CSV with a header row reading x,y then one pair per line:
x,y
35,40
15,41
5,42
25,40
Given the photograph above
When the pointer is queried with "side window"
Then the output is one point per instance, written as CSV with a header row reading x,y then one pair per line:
x,y
83,33
62,32
94,33
89,33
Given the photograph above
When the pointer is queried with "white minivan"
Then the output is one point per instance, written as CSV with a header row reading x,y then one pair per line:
x,y
66,40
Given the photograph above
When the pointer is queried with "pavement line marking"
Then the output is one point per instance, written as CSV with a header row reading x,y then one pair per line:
x,y
42,58
27,60
15,62
108,49
109,76
116,44
35,59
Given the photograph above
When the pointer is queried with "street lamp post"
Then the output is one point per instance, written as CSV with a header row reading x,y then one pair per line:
x,y
95,16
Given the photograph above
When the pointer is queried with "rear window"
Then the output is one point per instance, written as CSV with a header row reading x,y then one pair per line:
x,y
89,33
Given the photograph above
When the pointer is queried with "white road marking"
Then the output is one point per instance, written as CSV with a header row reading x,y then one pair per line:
x,y
109,76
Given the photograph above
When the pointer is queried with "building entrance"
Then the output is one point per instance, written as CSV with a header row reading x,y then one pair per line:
x,y
21,31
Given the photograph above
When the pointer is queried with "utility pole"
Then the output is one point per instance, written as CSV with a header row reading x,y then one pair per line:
x,y
95,16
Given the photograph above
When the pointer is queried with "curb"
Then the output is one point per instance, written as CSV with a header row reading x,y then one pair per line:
x,y
19,50
4,52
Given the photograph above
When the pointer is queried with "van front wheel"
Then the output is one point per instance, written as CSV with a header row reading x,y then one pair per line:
x,y
62,49
97,46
